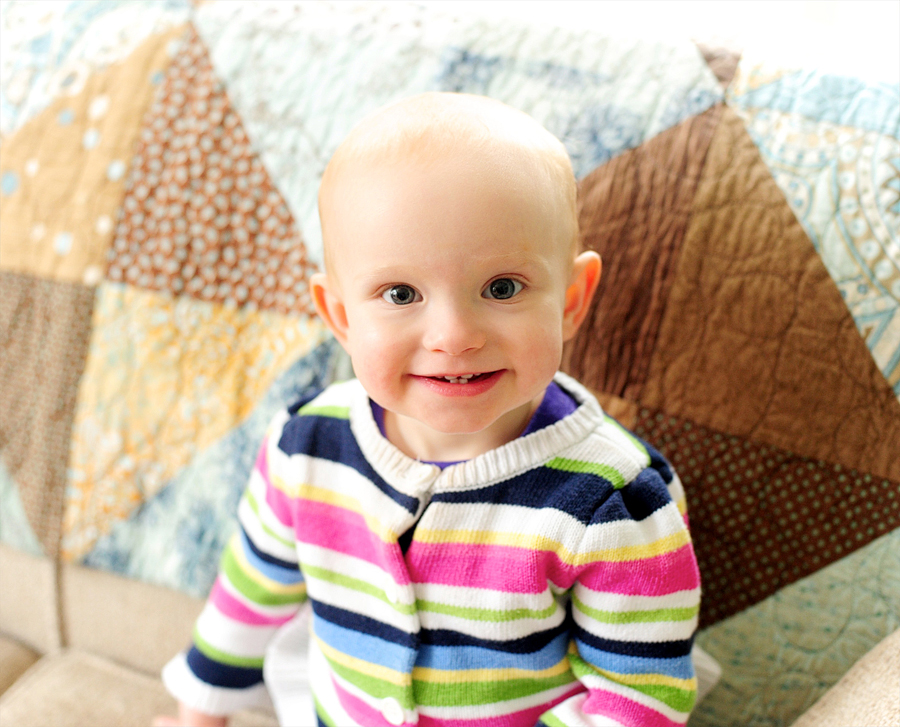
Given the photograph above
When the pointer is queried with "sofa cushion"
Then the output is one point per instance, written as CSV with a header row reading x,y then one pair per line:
x,y
15,658
101,611
28,610
74,688
868,694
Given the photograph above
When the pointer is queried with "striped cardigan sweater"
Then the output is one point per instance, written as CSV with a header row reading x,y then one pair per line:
x,y
550,581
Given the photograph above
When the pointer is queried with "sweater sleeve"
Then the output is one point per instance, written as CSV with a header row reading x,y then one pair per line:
x,y
258,589
634,609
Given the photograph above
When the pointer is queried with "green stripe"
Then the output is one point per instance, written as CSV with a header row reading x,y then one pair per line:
x,y
485,614
631,617
355,584
601,470
674,697
442,694
254,505
373,686
328,410
253,590
211,652
322,714
551,720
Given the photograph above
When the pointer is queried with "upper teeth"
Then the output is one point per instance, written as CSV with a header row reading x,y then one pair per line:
x,y
462,379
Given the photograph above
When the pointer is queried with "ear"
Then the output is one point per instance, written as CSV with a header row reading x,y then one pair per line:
x,y
329,305
582,285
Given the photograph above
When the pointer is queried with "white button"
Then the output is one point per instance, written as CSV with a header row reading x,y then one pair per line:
x,y
390,591
425,475
392,711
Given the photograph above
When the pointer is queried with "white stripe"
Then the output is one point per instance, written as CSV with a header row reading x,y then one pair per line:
x,y
643,632
487,598
571,712
361,603
265,516
601,600
553,524
663,523
353,567
233,637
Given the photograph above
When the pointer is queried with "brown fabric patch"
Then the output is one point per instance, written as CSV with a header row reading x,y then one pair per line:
x,y
633,211
762,517
44,334
756,340
201,216
721,58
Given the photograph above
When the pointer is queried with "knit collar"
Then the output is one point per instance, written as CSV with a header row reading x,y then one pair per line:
x,y
416,478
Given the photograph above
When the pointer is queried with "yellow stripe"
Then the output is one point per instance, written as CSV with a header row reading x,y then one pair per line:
x,y
663,680
364,667
426,674
329,497
667,544
263,580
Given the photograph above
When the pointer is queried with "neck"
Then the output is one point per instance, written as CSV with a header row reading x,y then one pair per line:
x,y
421,442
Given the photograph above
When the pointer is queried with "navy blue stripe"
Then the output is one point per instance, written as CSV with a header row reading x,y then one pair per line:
x,y
222,675
525,645
658,462
649,650
588,498
644,496
364,624
270,559
331,439
575,493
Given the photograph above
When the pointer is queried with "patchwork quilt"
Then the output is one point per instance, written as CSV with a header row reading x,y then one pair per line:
x,y
159,165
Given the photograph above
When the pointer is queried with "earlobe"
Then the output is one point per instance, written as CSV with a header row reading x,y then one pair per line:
x,y
582,286
329,305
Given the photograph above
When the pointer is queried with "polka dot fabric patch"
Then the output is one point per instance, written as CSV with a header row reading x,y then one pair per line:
x,y
201,216
762,517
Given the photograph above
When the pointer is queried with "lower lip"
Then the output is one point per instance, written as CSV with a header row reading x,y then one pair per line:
x,y
474,388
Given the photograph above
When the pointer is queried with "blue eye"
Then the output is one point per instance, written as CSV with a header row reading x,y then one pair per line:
x,y
400,295
502,289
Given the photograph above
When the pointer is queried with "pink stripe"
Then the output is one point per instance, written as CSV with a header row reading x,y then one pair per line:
x,y
280,504
361,712
229,606
521,570
345,531
626,711
524,718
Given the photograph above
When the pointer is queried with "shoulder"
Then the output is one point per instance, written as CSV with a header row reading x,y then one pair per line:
x,y
320,416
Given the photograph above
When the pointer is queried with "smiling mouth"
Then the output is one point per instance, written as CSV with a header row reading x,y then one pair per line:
x,y
462,378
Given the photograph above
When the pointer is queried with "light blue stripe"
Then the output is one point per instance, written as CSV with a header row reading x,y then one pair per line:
x,y
680,668
363,646
456,658
285,576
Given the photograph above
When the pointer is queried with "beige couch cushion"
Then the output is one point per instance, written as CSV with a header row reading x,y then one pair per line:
x,y
28,609
136,624
15,658
74,689
868,695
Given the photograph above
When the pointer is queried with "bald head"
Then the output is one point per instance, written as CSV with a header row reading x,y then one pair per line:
x,y
494,141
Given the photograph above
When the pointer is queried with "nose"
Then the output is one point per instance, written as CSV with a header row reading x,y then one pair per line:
x,y
453,329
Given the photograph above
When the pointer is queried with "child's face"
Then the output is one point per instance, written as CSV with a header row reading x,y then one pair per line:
x,y
449,272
